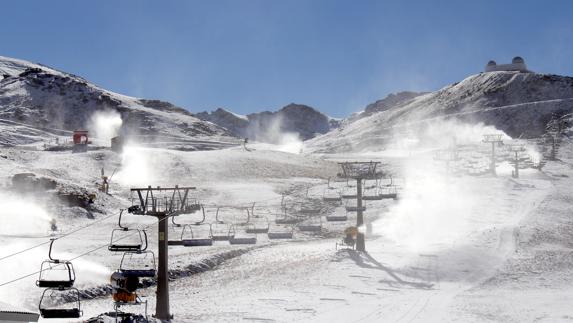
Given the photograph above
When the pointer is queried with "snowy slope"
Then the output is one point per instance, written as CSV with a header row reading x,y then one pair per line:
x,y
520,104
42,97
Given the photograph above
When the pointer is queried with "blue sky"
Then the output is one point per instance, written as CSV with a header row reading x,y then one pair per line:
x,y
254,55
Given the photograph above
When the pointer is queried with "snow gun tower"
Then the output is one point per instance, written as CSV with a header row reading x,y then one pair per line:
x,y
360,171
81,141
494,139
163,203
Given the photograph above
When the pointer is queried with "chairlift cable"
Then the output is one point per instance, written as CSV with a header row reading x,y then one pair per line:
x,y
81,255
60,237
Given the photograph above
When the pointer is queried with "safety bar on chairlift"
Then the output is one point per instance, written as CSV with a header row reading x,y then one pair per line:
x,y
177,225
191,230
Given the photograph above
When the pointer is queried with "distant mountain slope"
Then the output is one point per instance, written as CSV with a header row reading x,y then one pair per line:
x,y
520,104
42,97
264,126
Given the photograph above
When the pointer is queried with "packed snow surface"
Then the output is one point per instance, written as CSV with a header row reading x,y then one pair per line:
x,y
452,248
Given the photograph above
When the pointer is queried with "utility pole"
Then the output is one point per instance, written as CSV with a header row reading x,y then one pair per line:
x,y
493,139
359,171
516,149
162,207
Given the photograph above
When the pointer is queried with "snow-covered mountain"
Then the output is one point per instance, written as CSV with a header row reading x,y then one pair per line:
x,y
41,100
520,104
300,119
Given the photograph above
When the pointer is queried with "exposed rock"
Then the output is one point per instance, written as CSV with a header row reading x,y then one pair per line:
x,y
266,126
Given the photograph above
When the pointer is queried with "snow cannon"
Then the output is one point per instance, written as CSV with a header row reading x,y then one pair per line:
x,y
81,141
124,287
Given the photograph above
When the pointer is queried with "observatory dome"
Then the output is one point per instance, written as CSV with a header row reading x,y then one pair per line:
x,y
517,60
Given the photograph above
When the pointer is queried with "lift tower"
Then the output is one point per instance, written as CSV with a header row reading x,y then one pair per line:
x,y
162,202
493,139
516,149
360,171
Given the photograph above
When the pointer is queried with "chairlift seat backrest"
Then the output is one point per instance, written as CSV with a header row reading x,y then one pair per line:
x,y
48,277
336,218
55,312
71,313
125,247
280,235
198,242
138,272
243,240
194,241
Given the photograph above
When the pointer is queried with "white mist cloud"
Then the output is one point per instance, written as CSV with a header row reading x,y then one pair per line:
x,y
105,124
137,168
284,141
434,208
22,216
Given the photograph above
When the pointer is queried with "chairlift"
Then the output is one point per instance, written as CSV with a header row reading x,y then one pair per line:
x,y
372,193
218,218
234,238
59,310
175,231
309,210
281,234
331,195
195,223
354,208
192,207
220,231
56,273
237,222
258,227
127,240
349,193
390,192
138,264
286,219
337,218
193,239
312,225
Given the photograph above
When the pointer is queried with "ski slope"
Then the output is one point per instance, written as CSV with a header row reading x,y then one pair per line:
x,y
451,249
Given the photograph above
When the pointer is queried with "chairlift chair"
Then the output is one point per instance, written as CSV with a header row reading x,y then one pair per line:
x,y
281,234
193,240
195,223
309,209
337,218
390,193
119,236
311,226
140,264
234,239
220,231
258,227
285,219
138,244
235,221
60,312
330,193
175,231
349,193
56,273
352,207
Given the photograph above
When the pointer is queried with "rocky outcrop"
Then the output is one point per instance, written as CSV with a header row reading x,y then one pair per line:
x,y
299,119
